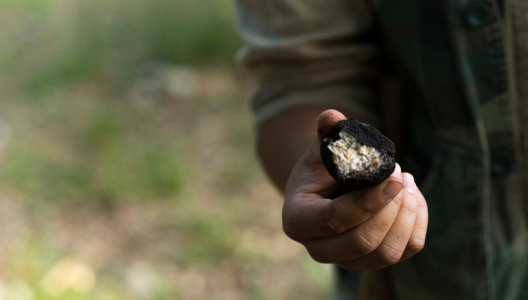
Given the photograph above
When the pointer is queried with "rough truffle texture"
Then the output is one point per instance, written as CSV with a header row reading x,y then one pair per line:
x,y
365,135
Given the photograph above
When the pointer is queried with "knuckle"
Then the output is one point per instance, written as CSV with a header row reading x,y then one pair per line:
x,y
410,205
415,245
398,199
390,256
362,245
334,226
422,203
331,223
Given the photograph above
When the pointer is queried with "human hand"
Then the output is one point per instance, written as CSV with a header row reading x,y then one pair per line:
x,y
369,229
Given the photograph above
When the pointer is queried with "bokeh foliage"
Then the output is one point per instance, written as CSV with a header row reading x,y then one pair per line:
x,y
48,42
106,171
53,43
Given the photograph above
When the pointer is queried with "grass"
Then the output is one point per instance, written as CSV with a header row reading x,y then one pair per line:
x,y
119,172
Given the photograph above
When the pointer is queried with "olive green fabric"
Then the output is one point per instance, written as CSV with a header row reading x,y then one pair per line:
x,y
465,64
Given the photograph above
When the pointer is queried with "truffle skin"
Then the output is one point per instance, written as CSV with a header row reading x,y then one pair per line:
x,y
359,176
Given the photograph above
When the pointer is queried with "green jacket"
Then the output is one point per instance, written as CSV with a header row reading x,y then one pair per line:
x,y
465,66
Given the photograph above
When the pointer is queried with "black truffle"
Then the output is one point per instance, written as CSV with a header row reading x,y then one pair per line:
x,y
358,155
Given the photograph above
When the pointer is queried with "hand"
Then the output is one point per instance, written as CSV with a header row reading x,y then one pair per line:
x,y
369,229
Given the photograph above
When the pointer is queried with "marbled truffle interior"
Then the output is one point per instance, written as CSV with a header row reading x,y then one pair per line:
x,y
349,155
358,155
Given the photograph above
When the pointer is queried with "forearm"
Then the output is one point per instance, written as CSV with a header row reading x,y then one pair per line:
x,y
283,139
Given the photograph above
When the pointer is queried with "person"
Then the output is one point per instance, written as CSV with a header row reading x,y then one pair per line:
x,y
446,80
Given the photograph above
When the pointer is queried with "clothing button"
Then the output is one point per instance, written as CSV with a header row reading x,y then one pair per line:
x,y
477,14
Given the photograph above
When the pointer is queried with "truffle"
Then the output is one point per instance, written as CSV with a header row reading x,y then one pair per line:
x,y
358,155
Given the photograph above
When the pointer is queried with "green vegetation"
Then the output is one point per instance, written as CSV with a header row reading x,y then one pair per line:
x,y
103,152
51,42
127,167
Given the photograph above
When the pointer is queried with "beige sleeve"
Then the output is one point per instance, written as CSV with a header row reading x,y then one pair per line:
x,y
305,52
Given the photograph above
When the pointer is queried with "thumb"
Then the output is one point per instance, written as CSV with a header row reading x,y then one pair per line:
x,y
326,123
310,174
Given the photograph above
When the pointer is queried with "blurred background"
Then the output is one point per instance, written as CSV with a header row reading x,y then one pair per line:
x,y
127,168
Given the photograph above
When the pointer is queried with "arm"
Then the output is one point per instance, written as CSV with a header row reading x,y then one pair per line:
x,y
309,55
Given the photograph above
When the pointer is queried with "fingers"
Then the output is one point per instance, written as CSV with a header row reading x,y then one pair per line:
x,y
417,240
358,241
356,231
308,216
352,209
391,249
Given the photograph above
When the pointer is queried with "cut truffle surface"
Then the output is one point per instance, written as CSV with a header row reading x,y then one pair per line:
x,y
358,155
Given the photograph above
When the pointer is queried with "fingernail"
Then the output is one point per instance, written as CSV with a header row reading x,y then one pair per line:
x,y
397,171
408,182
391,190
